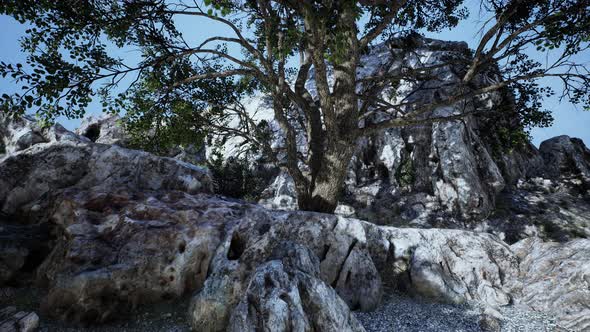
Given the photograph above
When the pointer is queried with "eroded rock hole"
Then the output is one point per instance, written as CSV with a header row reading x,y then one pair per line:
x,y
181,247
93,132
236,247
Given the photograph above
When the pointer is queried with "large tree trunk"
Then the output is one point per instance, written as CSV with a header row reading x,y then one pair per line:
x,y
331,135
323,193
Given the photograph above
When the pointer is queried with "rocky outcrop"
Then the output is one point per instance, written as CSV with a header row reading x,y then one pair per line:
x,y
432,175
354,258
555,278
119,249
109,129
33,175
565,156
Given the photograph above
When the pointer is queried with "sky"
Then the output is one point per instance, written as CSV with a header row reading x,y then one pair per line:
x,y
569,119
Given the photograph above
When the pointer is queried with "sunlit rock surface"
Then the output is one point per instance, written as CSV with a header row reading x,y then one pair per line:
x,y
105,229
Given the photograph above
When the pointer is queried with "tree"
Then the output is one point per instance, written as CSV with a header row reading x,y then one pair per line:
x,y
282,42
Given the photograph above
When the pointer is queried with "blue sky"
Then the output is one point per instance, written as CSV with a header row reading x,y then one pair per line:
x,y
569,120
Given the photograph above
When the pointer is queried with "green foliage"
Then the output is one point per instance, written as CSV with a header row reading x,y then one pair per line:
x,y
235,177
405,173
70,61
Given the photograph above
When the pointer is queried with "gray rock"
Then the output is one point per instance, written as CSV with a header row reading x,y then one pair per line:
x,y
286,294
555,278
354,258
109,129
453,266
12,320
104,129
432,175
565,156
118,250
31,178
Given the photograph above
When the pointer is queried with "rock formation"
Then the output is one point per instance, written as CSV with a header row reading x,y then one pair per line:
x,y
105,229
109,129
555,278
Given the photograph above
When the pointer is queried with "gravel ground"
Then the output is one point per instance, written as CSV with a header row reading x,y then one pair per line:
x,y
398,313
401,313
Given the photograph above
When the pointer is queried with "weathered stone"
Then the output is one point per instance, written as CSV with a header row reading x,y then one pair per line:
x,y
105,129
286,294
119,249
13,321
555,278
453,266
565,156
31,178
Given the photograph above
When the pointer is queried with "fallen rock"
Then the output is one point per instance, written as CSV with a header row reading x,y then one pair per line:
x,y
13,321
555,278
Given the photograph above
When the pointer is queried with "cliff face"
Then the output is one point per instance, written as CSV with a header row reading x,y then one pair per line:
x,y
432,174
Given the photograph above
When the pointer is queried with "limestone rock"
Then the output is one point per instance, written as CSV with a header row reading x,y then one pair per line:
x,y
32,177
286,294
354,258
565,156
104,129
119,249
343,263
555,278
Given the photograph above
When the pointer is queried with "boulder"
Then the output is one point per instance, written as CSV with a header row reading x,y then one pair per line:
x,y
555,278
565,156
451,266
431,175
287,294
117,250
